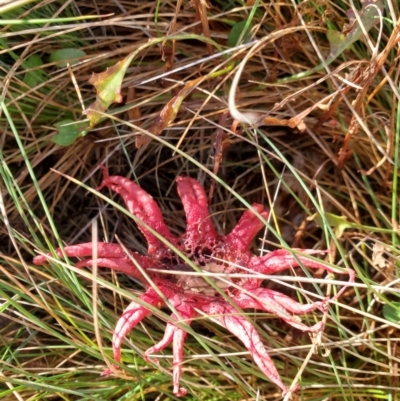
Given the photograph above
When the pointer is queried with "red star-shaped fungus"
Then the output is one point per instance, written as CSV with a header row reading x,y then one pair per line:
x,y
190,294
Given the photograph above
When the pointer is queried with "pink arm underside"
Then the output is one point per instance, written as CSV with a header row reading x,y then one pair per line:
x,y
281,259
109,255
229,318
177,336
134,314
282,306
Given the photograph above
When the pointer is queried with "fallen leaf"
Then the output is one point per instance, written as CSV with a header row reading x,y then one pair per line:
x,y
68,131
339,223
382,258
63,56
108,87
34,75
378,260
369,16
276,121
239,33
168,113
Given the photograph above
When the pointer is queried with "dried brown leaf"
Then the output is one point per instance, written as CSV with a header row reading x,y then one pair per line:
x,y
168,113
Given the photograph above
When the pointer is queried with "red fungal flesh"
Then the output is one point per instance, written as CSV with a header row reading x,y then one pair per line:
x,y
246,229
199,226
143,206
200,243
